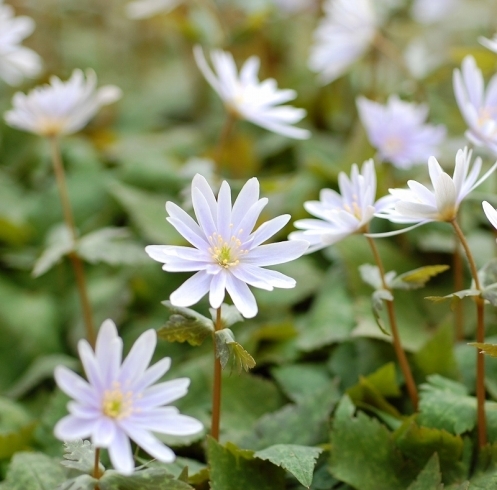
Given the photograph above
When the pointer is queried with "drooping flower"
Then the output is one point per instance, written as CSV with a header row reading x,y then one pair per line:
x,y
247,98
120,402
226,252
398,130
342,36
61,107
342,214
16,61
142,9
489,43
420,204
490,213
478,107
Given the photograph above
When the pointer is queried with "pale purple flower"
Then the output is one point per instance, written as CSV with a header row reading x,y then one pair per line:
x,y
440,202
477,105
342,36
490,212
226,252
398,130
120,402
342,214
16,61
61,107
247,98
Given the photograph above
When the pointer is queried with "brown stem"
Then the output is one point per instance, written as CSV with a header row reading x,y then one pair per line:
x,y
96,467
480,337
223,139
69,220
458,284
216,389
399,351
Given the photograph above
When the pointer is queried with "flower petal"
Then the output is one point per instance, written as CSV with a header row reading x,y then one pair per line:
x,y
276,253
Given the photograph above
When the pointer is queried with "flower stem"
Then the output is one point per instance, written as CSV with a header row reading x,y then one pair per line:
x,y
399,351
223,139
459,284
480,337
96,467
69,220
216,390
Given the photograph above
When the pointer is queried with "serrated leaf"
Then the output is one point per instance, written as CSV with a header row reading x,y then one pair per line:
x,y
185,325
80,482
297,460
417,278
377,299
430,477
490,349
230,351
59,244
80,455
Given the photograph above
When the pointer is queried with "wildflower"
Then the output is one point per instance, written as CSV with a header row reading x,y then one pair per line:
x,y
477,106
489,43
118,402
342,214
227,254
342,36
16,62
142,9
420,205
247,98
490,212
61,107
398,132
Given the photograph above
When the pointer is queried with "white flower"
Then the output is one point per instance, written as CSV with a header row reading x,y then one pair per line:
x,y
398,132
142,9
16,62
489,43
420,204
342,214
247,98
490,212
342,36
61,107
477,106
227,254
120,401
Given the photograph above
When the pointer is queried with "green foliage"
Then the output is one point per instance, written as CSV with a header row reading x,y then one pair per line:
x,y
155,478
80,455
231,352
490,349
417,278
430,477
59,243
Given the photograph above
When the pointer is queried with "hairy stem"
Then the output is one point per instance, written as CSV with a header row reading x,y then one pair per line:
x,y
480,337
399,351
216,389
75,260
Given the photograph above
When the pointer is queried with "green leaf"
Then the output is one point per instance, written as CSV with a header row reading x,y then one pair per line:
x,y
235,468
185,325
371,275
430,477
298,460
490,349
80,455
16,428
59,243
417,278
488,274
229,315
229,351
33,471
377,299
455,296
80,482
154,478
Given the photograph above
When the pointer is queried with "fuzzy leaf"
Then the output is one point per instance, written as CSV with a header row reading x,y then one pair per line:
x,y
229,351
298,460
81,482
430,477
185,325
417,278
490,349
80,455
154,478
59,243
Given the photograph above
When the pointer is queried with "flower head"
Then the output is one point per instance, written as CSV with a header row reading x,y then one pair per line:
x,y
245,97
16,62
398,132
61,107
420,204
142,9
342,214
478,107
227,254
342,36
120,401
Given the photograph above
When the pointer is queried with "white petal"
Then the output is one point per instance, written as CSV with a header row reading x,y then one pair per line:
x,y
120,453
71,428
72,384
139,357
192,290
217,289
164,393
276,253
490,212
104,430
242,297
150,444
268,229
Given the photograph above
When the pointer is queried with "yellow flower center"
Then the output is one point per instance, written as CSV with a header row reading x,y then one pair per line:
x,y
226,253
393,145
116,403
354,208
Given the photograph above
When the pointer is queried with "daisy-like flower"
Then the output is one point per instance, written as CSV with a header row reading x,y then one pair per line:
x,y
478,107
61,107
120,402
342,36
420,204
16,62
227,253
142,9
344,214
489,43
398,130
247,98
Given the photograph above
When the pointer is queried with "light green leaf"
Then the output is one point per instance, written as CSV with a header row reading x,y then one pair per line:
x,y
417,278
298,460
80,455
59,243
488,274
185,325
229,351
377,299
80,482
430,477
490,349
16,428
455,296
154,478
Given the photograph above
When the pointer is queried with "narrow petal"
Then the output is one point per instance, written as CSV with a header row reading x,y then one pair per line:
x,y
152,374
248,196
276,253
164,393
138,358
72,384
217,289
71,428
120,453
242,297
192,290
104,430
268,229
150,444
490,213
445,195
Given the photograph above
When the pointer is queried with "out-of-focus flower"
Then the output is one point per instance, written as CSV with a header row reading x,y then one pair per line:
x,y
478,107
16,62
120,401
489,43
247,98
227,254
342,36
344,214
142,9
429,12
491,213
61,107
398,130
420,205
